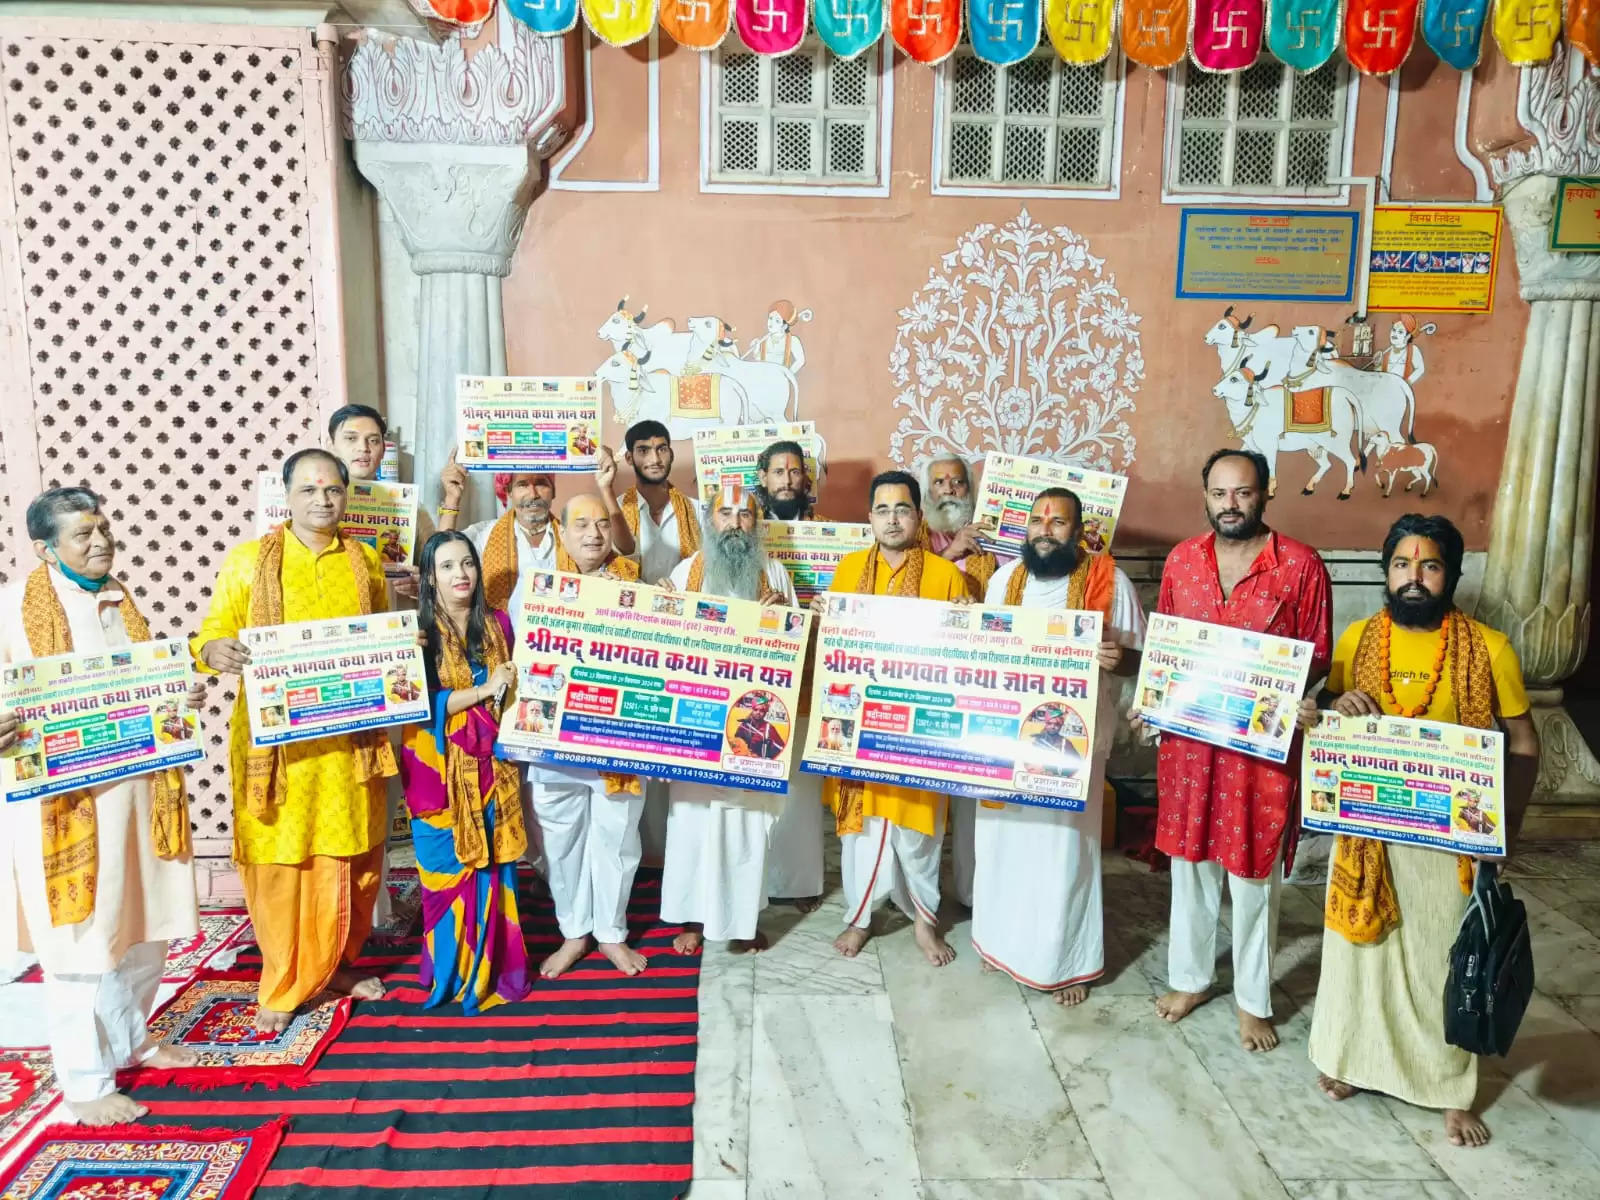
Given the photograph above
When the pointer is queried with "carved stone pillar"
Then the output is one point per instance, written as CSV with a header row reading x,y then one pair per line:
x,y
452,146
1541,548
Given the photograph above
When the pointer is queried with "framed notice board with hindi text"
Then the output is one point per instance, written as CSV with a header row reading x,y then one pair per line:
x,y
1576,224
1236,254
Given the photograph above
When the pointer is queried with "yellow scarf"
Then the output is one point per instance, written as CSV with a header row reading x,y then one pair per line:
x,y
682,511
500,560
467,801
1361,902
67,819
266,772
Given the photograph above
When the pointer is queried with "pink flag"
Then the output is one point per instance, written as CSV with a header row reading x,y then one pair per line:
x,y
1226,34
771,26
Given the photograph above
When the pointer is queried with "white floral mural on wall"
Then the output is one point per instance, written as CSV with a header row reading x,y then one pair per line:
x,y
1019,342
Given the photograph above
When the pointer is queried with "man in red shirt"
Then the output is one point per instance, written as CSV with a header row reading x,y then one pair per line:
x,y
1222,812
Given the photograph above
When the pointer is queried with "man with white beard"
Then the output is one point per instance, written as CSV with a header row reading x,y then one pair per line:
x,y
716,861
950,533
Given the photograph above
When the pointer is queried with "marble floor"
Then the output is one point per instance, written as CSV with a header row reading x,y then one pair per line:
x,y
822,1078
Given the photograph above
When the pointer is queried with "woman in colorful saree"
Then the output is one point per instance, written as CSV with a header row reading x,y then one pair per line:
x,y
465,805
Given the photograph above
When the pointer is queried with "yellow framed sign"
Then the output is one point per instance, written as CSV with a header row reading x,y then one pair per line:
x,y
1434,258
1576,225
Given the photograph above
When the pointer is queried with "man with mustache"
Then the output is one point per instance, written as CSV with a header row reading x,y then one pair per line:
x,y
1219,812
521,541
717,837
1393,911
589,820
308,816
891,836
783,491
1036,908
660,525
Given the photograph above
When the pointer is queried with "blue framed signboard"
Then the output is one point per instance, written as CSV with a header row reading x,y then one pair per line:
x,y
1267,254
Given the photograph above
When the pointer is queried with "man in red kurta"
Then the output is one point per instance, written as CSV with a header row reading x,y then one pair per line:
x,y
1222,812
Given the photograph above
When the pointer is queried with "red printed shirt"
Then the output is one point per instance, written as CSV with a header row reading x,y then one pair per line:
x,y
1219,805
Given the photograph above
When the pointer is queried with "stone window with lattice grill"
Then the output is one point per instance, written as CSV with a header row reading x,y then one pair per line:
x,y
1038,123
1267,131
806,119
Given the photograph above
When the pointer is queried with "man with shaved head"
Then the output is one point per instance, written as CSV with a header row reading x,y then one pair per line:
x,y
588,819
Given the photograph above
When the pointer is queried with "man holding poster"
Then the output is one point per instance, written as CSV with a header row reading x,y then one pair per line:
x,y
94,882
1394,910
660,525
1036,912
715,882
309,816
1222,812
891,836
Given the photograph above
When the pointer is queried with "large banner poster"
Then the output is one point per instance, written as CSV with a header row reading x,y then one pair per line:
x,y
312,679
626,677
512,423
990,702
379,513
810,550
1420,783
89,719
1230,687
1010,483
733,450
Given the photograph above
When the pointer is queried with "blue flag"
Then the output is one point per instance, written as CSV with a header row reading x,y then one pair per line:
x,y
1303,33
547,17
1453,30
847,27
1004,31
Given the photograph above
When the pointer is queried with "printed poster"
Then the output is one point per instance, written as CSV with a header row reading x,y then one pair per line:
x,y
510,423
1005,497
810,550
997,703
312,679
625,677
380,513
1235,254
733,449
1434,258
1230,687
90,719
1576,225
1418,783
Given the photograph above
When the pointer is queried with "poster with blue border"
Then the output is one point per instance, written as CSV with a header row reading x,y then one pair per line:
x,y
1234,254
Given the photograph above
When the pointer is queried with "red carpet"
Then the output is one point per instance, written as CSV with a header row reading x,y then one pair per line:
x,y
583,1091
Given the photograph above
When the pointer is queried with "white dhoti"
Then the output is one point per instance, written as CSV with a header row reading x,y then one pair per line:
x,y
591,850
1196,906
716,868
963,863
888,862
98,1023
794,853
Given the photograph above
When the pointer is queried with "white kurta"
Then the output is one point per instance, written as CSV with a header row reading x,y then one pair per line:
x,y
531,556
659,548
138,896
1036,908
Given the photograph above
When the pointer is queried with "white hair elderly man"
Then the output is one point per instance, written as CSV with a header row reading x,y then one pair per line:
x,y
949,532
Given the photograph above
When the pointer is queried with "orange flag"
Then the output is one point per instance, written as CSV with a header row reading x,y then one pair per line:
x,y
1155,33
1583,28
696,24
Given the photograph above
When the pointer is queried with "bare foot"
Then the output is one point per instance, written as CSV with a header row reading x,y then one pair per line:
x,y
346,982
167,1057
849,942
1256,1033
754,946
1175,1006
1071,997
1461,1128
561,961
689,941
624,958
1335,1089
115,1109
807,904
270,1020
934,948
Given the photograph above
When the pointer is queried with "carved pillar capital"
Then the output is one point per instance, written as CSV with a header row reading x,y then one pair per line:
x,y
1543,273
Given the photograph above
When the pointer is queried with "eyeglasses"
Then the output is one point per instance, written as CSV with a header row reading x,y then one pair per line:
x,y
898,510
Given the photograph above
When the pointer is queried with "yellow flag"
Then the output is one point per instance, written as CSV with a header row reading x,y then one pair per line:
x,y
620,22
1081,30
1526,30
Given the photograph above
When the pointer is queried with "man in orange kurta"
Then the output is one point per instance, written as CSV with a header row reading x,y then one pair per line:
x,y
891,836
309,816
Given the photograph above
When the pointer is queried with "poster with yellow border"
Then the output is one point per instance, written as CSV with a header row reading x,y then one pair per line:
x,y
733,450
1010,483
380,513
512,423
1434,258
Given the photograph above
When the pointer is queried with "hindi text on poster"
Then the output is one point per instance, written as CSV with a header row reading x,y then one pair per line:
x,y
521,423
1236,254
1434,258
379,513
1010,483
734,449
1576,227
810,550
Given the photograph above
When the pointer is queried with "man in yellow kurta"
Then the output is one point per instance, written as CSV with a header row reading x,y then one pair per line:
x,y
890,837
1393,911
308,817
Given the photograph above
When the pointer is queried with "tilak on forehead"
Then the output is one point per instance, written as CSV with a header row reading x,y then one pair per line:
x,y
732,494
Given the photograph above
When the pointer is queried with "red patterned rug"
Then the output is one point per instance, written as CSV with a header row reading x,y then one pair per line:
x,y
215,1017
27,1090
142,1162
220,929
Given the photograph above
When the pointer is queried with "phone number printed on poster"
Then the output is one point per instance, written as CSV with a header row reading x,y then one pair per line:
x,y
626,677
312,679
993,703
1420,783
734,449
84,720
1230,687
810,550
379,513
1010,483
508,423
